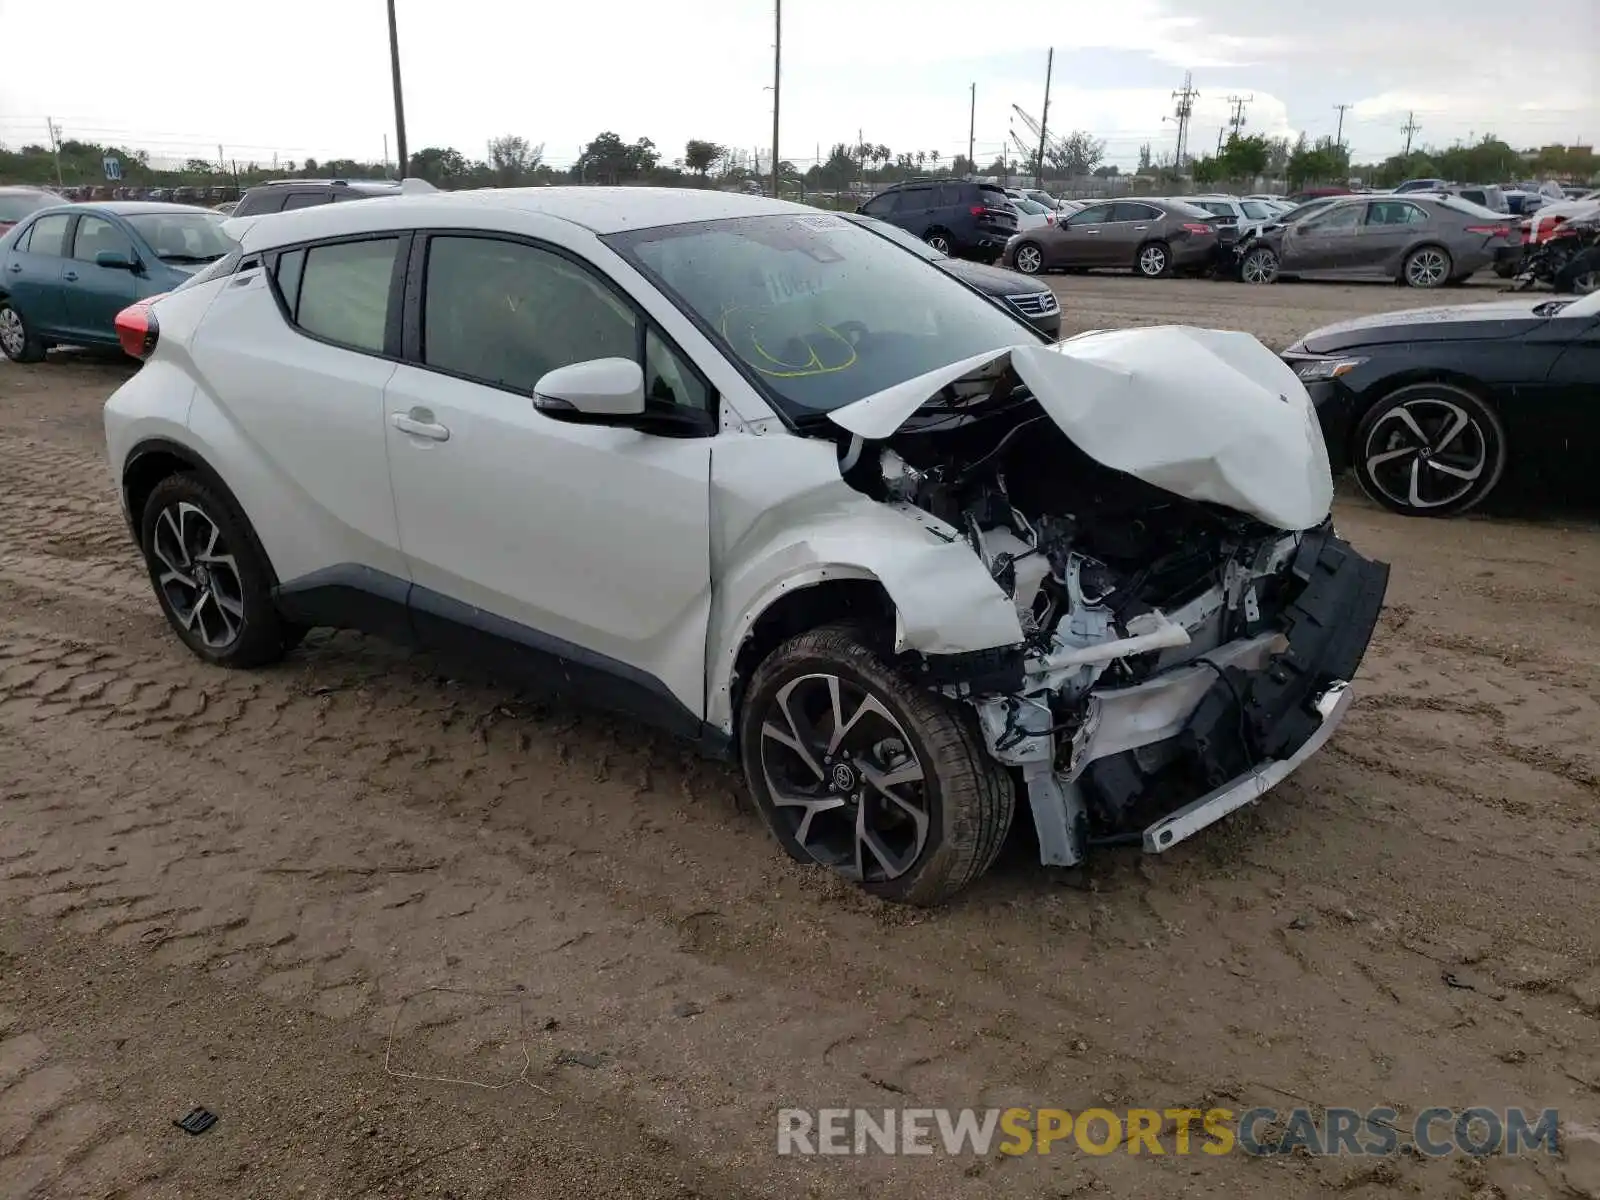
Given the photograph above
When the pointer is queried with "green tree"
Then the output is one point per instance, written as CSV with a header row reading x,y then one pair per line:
x,y
442,166
512,160
1246,157
1144,158
608,159
700,156
1075,155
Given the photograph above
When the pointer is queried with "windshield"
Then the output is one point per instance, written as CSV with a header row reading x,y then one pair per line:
x,y
820,311
1032,207
896,235
15,207
183,237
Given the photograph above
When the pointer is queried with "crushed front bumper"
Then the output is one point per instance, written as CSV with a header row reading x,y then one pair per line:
x,y
1161,760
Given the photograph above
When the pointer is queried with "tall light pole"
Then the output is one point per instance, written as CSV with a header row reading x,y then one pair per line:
x,y
399,96
777,67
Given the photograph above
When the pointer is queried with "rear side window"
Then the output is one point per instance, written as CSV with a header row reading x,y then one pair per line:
x,y
913,199
306,200
267,200
340,292
49,236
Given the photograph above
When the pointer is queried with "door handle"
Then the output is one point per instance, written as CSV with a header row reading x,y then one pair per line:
x,y
1140,228
70,276
1091,233
16,268
419,422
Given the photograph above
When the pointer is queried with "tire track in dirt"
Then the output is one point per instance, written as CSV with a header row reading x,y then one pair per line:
x,y
393,782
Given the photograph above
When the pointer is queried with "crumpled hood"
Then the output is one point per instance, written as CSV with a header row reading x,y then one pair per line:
x,y
1206,414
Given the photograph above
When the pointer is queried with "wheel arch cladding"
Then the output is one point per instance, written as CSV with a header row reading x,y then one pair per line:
x,y
825,602
155,459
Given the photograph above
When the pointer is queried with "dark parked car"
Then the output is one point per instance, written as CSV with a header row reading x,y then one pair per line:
x,y
1421,240
1152,237
953,216
66,272
283,194
18,202
1028,298
1434,408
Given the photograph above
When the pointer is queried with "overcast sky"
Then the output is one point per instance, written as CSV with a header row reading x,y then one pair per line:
x,y
311,77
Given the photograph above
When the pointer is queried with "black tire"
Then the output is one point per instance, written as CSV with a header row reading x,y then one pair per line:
x,y
1259,266
1581,275
17,341
1385,430
1427,267
1153,260
941,241
967,799
172,532
1028,258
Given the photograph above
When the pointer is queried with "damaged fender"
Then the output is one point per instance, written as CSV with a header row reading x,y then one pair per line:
x,y
782,518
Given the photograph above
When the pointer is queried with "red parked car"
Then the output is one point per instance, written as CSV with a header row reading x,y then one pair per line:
x,y
18,202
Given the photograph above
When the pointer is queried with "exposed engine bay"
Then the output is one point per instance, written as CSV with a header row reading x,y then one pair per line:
x,y
1157,663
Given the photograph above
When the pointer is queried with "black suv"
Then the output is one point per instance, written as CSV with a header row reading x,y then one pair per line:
x,y
282,194
953,216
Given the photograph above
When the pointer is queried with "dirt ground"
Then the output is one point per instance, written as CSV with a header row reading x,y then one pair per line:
x,y
288,895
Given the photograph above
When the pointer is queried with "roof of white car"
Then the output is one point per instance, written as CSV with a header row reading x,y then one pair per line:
x,y
602,210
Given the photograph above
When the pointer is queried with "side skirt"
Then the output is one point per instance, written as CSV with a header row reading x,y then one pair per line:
x,y
349,596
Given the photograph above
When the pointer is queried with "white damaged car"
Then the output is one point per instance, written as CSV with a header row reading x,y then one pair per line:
x,y
767,481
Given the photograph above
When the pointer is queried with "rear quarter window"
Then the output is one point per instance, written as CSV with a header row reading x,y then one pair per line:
x,y
268,200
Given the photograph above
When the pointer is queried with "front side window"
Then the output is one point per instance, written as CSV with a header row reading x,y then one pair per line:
x,y
506,313
1095,214
1346,216
914,199
1256,210
340,292
179,237
879,205
819,311
96,234
48,236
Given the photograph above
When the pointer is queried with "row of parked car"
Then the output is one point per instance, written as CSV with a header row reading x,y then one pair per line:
x,y
1423,237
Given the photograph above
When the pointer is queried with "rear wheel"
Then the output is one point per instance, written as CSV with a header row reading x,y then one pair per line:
x,y
1581,275
211,579
1430,450
17,341
1153,260
857,770
939,239
1427,267
1029,259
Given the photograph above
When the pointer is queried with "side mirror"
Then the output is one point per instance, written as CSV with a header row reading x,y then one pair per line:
x,y
115,260
602,391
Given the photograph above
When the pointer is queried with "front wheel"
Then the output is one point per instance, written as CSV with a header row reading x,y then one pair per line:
x,y
1259,266
1153,261
1029,259
1427,267
1429,450
17,341
855,769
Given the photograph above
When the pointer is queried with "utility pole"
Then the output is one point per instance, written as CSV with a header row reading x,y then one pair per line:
x,y
399,96
1183,111
1236,120
1220,128
1044,121
972,126
385,157
55,147
777,64
1411,128
1338,138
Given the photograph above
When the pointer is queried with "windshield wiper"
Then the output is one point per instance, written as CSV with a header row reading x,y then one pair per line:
x,y
189,258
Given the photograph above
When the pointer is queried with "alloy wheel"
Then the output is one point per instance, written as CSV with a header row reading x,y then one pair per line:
x,y
1260,266
1153,261
1587,283
1426,453
1427,268
12,335
940,243
198,576
844,778
1029,260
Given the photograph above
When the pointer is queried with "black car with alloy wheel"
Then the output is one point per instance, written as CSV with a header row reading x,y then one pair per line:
x,y
1436,408
954,216
1027,298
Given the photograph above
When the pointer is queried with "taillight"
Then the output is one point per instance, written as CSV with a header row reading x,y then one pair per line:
x,y
137,328
1197,227
1490,230
978,210
1049,218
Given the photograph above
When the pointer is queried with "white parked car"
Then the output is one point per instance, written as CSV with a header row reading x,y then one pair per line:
x,y
1031,214
761,478
1248,214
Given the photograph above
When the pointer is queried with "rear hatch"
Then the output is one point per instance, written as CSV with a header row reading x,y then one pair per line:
x,y
993,212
